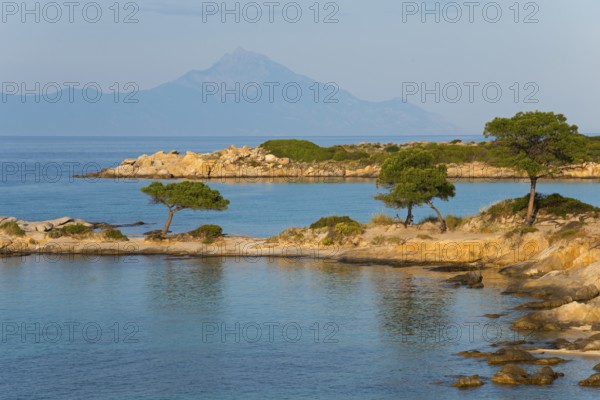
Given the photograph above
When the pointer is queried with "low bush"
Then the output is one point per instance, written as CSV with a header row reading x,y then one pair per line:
x,y
11,228
77,230
382,219
453,222
327,241
553,205
349,228
209,233
331,221
115,234
297,150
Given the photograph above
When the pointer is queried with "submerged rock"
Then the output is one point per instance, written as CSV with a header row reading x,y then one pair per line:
x,y
468,382
471,279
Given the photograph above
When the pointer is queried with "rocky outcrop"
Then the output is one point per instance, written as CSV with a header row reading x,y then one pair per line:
x,y
593,381
45,226
511,374
252,163
511,355
472,279
245,162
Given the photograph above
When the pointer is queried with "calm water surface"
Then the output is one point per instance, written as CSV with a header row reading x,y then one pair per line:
x,y
335,331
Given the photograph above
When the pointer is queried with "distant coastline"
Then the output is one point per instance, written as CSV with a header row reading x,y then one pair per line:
x,y
295,159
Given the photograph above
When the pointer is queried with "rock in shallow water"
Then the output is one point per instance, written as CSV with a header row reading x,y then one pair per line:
x,y
511,374
468,382
593,380
471,279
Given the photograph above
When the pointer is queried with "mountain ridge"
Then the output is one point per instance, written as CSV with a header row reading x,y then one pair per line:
x,y
243,93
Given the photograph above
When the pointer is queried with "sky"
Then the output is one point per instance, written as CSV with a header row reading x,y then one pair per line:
x,y
492,59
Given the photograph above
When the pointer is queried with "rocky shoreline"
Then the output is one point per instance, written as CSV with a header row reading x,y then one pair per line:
x,y
258,163
555,263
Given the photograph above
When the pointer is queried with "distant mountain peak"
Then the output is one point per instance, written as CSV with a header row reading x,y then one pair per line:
x,y
241,66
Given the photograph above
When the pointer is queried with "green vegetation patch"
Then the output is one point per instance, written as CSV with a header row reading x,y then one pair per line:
x,y
306,151
208,233
553,205
11,228
115,234
382,219
332,221
455,152
349,228
453,222
77,230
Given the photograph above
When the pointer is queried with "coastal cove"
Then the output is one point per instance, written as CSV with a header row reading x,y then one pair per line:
x,y
409,309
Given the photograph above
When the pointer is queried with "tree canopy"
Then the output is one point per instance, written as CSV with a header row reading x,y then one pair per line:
x,y
185,195
538,143
413,180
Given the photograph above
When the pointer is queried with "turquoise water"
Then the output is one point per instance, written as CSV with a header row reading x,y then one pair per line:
x,y
178,328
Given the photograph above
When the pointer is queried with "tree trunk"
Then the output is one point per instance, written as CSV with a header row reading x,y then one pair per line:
x,y
443,226
168,223
531,206
409,216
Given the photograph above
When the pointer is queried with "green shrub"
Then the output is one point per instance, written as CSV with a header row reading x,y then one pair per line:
x,y
327,241
392,149
297,150
382,219
349,228
77,230
553,205
331,222
12,228
453,222
115,234
209,233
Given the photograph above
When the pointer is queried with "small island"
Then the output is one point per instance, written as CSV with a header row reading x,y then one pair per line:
x,y
297,159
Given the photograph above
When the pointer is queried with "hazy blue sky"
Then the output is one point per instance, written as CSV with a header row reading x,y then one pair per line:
x,y
374,51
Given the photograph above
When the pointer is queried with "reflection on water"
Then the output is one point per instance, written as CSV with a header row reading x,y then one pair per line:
x,y
187,284
229,329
